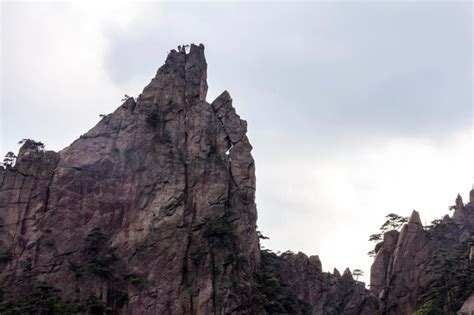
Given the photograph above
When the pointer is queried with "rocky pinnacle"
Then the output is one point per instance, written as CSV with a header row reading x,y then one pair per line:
x,y
152,211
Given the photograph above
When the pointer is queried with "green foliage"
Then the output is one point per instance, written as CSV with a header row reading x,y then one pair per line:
x,y
219,231
357,273
261,236
452,271
44,299
440,229
271,293
375,237
239,258
99,258
94,305
5,255
99,261
126,98
134,279
27,268
94,240
101,266
153,120
394,222
426,309
38,144
47,300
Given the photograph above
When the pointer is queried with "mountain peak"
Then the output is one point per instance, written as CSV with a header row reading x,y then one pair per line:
x,y
182,79
153,212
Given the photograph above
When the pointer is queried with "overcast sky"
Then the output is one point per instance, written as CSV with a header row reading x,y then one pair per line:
x,y
355,109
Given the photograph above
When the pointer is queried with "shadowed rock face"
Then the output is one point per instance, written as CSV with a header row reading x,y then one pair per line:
x,y
150,212
401,270
323,293
156,178
398,273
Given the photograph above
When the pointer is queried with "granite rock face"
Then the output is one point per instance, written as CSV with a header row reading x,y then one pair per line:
x,y
468,306
401,271
323,292
152,211
168,181
398,273
464,213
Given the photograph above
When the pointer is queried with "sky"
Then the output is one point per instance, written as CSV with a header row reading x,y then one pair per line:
x,y
355,109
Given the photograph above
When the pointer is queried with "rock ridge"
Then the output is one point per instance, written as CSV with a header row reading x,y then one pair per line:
x,y
410,263
153,211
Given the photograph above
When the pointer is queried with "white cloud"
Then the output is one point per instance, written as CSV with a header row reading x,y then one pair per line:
x,y
329,205
53,81
313,80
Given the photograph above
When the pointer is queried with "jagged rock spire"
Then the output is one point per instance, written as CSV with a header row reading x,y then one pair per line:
x,y
181,80
415,218
459,202
154,178
163,192
347,273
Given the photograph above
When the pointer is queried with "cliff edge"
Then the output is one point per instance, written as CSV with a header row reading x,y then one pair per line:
x,y
153,211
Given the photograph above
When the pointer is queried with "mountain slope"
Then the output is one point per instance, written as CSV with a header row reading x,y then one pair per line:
x,y
152,211
427,270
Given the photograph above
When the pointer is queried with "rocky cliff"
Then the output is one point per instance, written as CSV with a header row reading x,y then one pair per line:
x,y
317,292
427,270
153,211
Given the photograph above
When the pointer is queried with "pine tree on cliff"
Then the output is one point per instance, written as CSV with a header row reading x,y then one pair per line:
x,y
453,275
394,223
9,160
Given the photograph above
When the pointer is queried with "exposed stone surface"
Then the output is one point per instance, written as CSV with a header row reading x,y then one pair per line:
x,y
397,274
464,214
415,218
152,212
468,306
325,293
156,179
400,273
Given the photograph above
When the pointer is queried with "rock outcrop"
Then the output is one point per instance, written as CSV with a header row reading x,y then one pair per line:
x,y
321,292
398,273
468,306
150,212
464,214
408,262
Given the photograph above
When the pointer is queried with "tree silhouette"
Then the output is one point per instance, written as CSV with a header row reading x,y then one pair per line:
x,y
38,144
375,237
357,273
9,160
451,270
394,222
126,98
